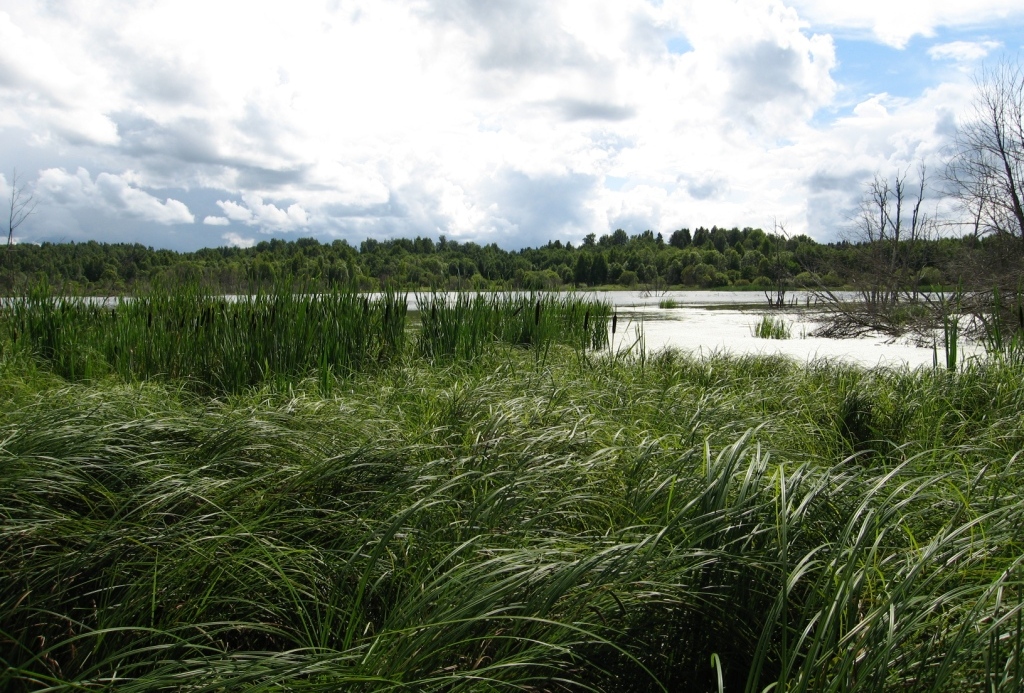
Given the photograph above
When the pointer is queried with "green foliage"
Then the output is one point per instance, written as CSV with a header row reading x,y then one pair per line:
x,y
771,327
464,326
214,343
729,254
518,525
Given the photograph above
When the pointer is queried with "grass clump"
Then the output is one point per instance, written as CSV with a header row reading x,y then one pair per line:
x,y
771,327
668,303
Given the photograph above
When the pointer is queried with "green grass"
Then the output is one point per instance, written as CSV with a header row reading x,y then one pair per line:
x,y
513,523
462,326
771,327
213,343
668,303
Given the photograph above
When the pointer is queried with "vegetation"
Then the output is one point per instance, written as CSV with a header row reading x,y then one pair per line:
x,y
771,327
210,342
498,521
463,326
713,258
216,345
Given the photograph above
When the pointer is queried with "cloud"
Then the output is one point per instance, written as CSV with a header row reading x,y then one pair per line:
x,y
963,51
576,109
705,186
503,121
895,23
110,194
538,208
52,90
514,37
765,72
255,212
235,240
236,212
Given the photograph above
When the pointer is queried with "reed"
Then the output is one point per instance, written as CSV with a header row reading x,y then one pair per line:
x,y
462,326
1003,329
771,327
214,343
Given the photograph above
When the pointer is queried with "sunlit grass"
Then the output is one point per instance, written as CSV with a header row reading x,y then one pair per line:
x,y
512,523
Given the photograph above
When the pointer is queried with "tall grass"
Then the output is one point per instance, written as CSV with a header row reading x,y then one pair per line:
x,y
1003,329
215,343
518,525
771,327
462,326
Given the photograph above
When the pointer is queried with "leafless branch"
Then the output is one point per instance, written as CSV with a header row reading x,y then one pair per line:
x,y
22,206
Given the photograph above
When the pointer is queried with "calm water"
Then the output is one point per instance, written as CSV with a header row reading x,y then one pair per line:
x,y
723,321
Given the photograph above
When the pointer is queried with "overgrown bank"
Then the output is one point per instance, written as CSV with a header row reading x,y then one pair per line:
x,y
511,523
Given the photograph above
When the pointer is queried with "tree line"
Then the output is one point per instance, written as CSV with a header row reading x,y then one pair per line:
x,y
704,258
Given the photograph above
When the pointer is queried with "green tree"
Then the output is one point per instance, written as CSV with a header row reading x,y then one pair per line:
x,y
581,272
599,270
680,239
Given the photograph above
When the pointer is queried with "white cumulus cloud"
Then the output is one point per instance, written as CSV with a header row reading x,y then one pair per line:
x,y
216,221
111,194
238,241
963,51
267,216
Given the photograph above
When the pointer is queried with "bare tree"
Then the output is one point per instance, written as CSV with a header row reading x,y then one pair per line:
x,y
986,174
986,169
780,275
890,221
22,205
885,234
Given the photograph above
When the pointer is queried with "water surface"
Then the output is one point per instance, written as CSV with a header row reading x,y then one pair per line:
x,y
723,322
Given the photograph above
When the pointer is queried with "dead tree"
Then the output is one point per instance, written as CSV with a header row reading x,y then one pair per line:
x,y
780,275
888,296
986,170
22,206
986,175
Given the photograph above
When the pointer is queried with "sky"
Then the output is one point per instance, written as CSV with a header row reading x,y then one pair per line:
x,y
184,124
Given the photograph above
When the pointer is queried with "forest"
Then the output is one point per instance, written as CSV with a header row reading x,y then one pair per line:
x,y
716,258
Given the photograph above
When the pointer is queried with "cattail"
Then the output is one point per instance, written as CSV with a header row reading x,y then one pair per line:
x,y
586,320
615,321
1020,316
536,314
